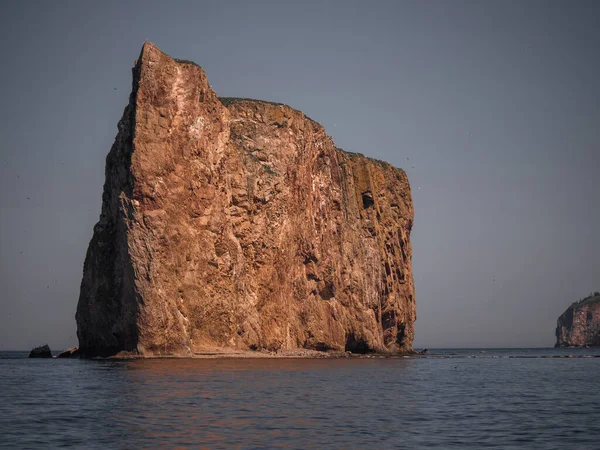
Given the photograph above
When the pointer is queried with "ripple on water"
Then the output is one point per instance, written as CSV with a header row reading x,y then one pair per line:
x,y
433,402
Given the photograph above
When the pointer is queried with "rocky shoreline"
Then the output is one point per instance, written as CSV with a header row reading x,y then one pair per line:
x,y
245,354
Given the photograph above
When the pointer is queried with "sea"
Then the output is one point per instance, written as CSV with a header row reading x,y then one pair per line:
x,y
447,399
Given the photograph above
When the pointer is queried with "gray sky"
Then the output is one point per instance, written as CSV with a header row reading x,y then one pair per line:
x,y
497,105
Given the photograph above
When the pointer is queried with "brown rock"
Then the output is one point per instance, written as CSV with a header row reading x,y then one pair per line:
x,y
579,325
237,224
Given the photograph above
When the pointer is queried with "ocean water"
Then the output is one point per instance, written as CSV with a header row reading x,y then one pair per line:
x,y
504,399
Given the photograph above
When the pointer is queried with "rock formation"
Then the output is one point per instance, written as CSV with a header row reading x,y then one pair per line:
x,y
69,353
237,224
579,325
42,351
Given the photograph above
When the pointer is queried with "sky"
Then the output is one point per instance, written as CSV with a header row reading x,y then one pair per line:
x,y
492,108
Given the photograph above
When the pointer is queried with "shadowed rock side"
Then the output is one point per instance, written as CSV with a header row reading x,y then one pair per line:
x,y
42,351
237,224
579,325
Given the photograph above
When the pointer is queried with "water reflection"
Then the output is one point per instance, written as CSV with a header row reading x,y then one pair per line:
x,y
301,403
250,402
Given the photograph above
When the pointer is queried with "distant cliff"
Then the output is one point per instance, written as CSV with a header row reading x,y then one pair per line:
x,y
237,224
579,325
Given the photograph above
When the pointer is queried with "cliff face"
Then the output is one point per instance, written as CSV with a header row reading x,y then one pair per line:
x,y
237,224
579,325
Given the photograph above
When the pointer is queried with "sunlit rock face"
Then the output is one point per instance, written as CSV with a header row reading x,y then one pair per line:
x,y
579,325
237,224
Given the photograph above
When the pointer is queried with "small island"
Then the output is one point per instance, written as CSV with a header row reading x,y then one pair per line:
x,y
235,225
579,325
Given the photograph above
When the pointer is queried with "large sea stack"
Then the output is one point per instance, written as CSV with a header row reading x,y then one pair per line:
x,y
579,325
236,224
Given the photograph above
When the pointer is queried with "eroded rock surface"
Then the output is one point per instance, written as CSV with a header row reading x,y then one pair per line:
x,y
237,224
579,325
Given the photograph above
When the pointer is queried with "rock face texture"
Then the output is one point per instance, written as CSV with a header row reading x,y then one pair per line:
x,y
237,224
579,325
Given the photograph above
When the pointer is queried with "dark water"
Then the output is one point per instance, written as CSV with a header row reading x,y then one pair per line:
x,y
453,399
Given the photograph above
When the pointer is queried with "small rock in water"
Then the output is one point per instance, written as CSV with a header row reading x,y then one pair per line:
x,y
69,353
41,352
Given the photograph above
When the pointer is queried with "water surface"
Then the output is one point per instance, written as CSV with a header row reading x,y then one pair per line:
x,y
518,398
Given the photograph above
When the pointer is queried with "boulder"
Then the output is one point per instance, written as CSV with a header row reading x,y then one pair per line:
x,y
41,352
72,352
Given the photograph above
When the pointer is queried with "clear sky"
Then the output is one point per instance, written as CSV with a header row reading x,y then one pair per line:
x,y
492,108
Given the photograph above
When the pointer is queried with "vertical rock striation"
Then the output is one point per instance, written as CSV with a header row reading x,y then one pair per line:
x,y
579,325
237,224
